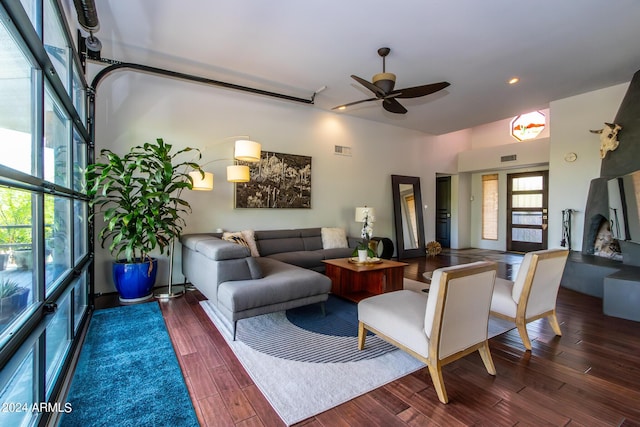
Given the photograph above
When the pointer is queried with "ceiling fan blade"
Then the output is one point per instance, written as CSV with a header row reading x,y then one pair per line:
x,y
340,107
373,88
418,91
393,106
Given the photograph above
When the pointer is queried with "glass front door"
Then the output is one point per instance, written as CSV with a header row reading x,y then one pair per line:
x,y
527,196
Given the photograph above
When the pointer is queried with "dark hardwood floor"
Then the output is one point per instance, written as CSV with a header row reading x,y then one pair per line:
x,y
590,376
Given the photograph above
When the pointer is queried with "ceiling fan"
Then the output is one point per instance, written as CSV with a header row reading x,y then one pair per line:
x,y
382,86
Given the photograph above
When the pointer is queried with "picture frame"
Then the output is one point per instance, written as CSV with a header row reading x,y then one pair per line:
x,y
277,181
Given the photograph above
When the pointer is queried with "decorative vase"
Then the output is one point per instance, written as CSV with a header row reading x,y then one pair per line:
x,y
362,255
135,281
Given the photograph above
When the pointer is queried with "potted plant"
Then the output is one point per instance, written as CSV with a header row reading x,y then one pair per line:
x,y
364,249
13,299
139,195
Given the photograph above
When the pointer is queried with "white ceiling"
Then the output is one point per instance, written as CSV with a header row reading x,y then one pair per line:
x,y
558,48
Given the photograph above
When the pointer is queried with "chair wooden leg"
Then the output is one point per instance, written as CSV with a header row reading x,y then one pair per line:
x,y
362,335
522,329
438,383
486,358
553,321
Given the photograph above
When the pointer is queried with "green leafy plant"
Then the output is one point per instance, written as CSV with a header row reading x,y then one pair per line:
x,y
8,288
15,217
139,196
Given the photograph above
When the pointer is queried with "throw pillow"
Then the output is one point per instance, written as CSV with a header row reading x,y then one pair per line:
x,y
250,238
235,238
333,237
247,236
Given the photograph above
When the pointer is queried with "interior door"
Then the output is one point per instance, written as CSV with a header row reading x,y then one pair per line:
x,y
527,197
443,211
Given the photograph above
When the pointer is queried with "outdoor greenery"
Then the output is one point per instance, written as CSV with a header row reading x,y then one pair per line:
x,y
139,195
8,288
15,210
16,217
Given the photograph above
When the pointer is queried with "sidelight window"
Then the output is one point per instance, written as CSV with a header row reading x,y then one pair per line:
x,y
490,207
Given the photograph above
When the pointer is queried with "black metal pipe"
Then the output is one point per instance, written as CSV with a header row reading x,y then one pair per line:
x,y
174,74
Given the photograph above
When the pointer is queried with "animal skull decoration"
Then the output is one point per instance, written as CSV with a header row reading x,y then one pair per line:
x,y
608,138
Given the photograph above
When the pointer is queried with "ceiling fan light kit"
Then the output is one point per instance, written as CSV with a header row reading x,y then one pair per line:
x,y
384,81
382,85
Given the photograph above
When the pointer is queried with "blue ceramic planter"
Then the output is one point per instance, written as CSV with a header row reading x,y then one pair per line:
x,y
134,281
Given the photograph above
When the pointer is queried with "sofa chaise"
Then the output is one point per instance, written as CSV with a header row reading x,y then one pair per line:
x,y
287,274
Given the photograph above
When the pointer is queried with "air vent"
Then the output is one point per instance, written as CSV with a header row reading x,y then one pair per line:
x,y
509,158
342,150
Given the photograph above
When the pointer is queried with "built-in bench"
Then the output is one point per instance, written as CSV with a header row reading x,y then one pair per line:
x,y
616,283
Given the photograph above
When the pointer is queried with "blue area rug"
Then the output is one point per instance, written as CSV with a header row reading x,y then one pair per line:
x,y
128,373
340,318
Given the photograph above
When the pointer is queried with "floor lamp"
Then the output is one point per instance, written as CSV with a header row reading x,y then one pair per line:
x,y
244,150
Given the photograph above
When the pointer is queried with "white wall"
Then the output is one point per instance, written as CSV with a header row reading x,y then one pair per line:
x,y
476,208
484,157
528,153
133,108
571,120
440,158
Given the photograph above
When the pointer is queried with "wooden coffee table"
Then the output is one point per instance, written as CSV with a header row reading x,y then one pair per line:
x,y
358,281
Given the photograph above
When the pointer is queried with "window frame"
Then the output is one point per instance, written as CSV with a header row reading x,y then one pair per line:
x,y
26,334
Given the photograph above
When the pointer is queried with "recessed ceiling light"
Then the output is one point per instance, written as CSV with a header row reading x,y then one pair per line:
x,y
342,107
513,80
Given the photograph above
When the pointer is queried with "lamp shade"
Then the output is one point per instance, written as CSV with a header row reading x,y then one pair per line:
x,y
362,212
248,151
200,183
238,173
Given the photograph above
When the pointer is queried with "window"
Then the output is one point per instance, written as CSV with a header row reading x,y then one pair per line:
x,y
490,207
44,246
16,123
18,284
528,126
55,41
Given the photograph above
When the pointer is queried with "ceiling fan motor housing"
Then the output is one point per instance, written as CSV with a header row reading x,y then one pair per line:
x,y
385,81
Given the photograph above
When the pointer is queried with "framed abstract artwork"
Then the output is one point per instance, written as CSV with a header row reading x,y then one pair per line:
x,y
277,181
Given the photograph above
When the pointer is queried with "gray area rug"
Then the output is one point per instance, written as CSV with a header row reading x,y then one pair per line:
x,y
303,373
298,390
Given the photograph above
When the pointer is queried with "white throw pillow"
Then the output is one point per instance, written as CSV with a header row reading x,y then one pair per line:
x,y
248,236
334,237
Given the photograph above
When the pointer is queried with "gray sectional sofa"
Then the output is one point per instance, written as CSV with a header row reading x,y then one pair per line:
x,y
301,247
287,274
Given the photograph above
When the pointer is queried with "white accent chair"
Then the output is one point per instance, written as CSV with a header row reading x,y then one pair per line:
x,y
533,294
441,327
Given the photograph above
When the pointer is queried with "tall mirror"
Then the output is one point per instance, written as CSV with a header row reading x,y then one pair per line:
x,y
407,212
